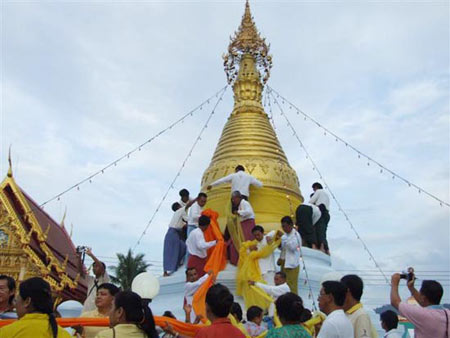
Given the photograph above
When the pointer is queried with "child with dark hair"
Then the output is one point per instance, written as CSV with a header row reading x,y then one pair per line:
x,y
254,325
34,305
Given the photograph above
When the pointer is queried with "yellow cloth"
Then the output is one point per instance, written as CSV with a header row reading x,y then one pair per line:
x,y
234,228
310,325
122,331
240,326
91,331
32,325
292,278
248,269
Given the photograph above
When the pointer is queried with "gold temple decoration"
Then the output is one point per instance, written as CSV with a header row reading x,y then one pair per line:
x,y
33,244
248,137
247,41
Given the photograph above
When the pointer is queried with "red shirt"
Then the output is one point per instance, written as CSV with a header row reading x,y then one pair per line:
x,y
220,328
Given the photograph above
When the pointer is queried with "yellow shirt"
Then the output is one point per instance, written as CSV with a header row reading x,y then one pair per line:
x,y
123,331
32,325
92,331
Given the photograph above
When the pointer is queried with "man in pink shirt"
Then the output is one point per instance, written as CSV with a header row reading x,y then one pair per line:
x,y
430,319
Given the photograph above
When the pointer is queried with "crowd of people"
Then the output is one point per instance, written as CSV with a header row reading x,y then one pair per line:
x,y
130,316
342,315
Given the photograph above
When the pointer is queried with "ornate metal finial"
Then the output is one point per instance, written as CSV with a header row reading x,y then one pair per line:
x,y
247,40
64,218
10,163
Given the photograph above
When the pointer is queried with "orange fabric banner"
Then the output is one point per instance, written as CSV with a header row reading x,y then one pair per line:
x,y
217,260
181,327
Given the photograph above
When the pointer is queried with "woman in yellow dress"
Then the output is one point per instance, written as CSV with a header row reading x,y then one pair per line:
x,y
34,306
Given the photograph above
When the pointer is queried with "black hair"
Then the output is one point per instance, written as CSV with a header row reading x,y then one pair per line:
x,y
40,294
282,274
202,194
175,206
254,312
219,300
354,284
136,311
305,316
336,289
258,228
432,290
112,289
239,168
287,220
11,283
169,314
290,307
190,269
203,220
184,192
236,310
390,319
317,185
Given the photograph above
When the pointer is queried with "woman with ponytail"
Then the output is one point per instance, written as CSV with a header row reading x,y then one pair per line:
x,y
34,306
290,311
130,317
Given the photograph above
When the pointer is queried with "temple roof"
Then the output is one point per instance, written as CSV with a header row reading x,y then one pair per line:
x,y
46,244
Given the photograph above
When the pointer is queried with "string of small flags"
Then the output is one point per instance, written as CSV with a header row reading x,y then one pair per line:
x,y
370,160
171,186
333,196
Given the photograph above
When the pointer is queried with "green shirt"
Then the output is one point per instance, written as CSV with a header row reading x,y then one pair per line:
x,y
288,331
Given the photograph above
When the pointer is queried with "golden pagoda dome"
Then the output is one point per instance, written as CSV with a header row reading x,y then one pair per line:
x,y
248,138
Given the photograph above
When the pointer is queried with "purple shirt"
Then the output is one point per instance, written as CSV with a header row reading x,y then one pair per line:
x,y
428,322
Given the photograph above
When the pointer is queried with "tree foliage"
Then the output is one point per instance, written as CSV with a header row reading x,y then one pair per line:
x,y
129,266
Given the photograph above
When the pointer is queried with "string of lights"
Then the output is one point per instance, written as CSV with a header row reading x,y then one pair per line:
x,y
361,154
171,186
127,155
136,149
268,104
315,168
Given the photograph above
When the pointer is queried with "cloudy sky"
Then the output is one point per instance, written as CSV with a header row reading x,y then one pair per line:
x,y
84,82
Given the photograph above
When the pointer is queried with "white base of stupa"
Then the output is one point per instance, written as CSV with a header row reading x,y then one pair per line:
x,y
171,292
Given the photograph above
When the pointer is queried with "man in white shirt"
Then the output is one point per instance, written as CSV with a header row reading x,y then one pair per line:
x,y
291,243
184,197
362,325
240,181
266,264
275,291
307,215
196,211
331,301
198,247
193,283
100,276
321,199
246,214
174,246
389,323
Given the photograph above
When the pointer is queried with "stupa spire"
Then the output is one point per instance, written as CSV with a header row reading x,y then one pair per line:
x,y
247,41
248,138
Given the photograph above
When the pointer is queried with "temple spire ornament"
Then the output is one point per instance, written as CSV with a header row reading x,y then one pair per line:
x,y
247,41
248,138
10,174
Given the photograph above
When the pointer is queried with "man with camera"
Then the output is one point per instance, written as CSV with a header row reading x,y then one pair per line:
x,y
430,319
101,276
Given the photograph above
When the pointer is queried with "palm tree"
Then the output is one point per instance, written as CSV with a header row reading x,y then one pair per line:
x,y
129,267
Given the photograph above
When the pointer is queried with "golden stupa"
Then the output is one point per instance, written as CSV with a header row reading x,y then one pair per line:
x,y
248,137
